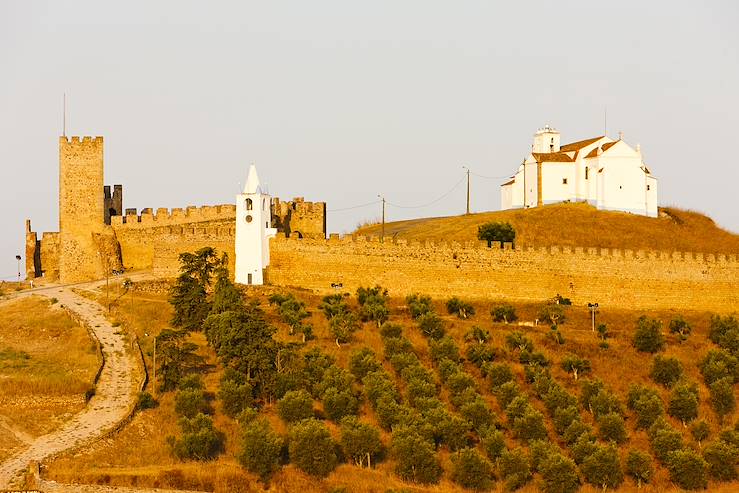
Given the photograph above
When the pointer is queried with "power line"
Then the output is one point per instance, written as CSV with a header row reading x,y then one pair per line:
x,y
433,201
491,177
354,207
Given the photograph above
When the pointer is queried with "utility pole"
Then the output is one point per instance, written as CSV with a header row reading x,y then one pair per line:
x,y
382,238
468,189
593,308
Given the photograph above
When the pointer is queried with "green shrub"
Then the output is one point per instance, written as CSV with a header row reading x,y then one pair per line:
x,y
234,397
199,441
530,426
311,448
639,467
460,308
261,449
700,431
665,441
493,442
362,362
687,469
559,475
722,459
415,457
683,403
646,404
583,448
666,370
339,403
431,325
378,384
397,345
342,326
723,401
471,471
478,413
564,417
678,325
479,354
499,374
576,430
605,402
507,393
419,305
611,427
540,450
190,402
575,365
603,468
503,313
718,364
391,330
146,401
552,313
725,332
191,382
515,469
296,405
517,341
402,361
648,337
360,442
442,348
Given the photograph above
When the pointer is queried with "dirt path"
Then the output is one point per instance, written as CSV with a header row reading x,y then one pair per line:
x,y
116,389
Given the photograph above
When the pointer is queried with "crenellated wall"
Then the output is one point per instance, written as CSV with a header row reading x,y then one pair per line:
x,y
175,217
172,241
634,279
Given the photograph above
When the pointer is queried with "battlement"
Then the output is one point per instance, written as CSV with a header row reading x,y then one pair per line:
x,y
75,140
509,249
177,216
299,218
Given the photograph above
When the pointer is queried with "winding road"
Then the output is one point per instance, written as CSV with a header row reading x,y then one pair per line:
x,y
115,392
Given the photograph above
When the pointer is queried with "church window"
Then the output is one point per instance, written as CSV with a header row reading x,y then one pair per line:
x,y
249,218
647,188
564,181
587,172
249,204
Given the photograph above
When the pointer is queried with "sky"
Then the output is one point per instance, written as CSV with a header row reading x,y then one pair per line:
x,y
341,101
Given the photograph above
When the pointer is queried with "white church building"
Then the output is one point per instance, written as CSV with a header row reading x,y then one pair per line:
x,y
253,231
607,173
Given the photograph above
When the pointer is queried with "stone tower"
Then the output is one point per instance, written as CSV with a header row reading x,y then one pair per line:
x,y
81,213
253,231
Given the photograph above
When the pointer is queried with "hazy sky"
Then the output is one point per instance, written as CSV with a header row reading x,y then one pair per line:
x,y
343,100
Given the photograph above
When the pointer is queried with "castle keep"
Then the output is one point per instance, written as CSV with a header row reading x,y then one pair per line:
x,y
96,235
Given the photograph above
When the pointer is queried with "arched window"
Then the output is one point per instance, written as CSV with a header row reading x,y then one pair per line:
x,y
587,172
249,204
264,204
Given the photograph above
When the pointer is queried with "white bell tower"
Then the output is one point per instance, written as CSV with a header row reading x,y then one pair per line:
x,y
253,231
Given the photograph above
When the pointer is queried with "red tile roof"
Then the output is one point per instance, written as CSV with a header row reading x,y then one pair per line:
x,y
575,146
548,157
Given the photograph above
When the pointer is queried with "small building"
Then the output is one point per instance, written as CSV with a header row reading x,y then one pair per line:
x,y
608,174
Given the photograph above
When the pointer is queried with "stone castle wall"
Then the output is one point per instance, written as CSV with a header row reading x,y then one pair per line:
x,y
298,217
644,280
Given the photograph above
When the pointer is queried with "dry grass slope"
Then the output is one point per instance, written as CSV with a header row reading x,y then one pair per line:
x,y
47,362
578,225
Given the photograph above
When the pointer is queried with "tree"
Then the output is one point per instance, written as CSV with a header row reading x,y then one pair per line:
x,y
678,325
190,402
639,467
700,431
540,450
339,403
478,413
515,468
431,325
367,295
666,370
559,475
718,364
687,469
389,330
612,428
664,441
603,468
176,357
725,332
261,449
311,448
419,304
499,373
576,365
296,405
373,304
199,441
518,341
648,337
362,362
360,442
493,442
563,418
722,397
188,296
471,471
460,308
721,458
503,313
683,403
444,348
234,397
496,231
416,460
480,354
553,313
530,426
647,405
342,326
333,305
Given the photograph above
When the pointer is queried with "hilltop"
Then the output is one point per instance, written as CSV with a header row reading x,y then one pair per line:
x,y
581,225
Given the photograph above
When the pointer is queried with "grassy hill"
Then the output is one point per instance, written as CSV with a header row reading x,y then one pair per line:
x,y
578,225
139,454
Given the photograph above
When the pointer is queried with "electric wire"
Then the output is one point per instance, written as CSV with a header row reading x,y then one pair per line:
x,y
354,207
429,203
